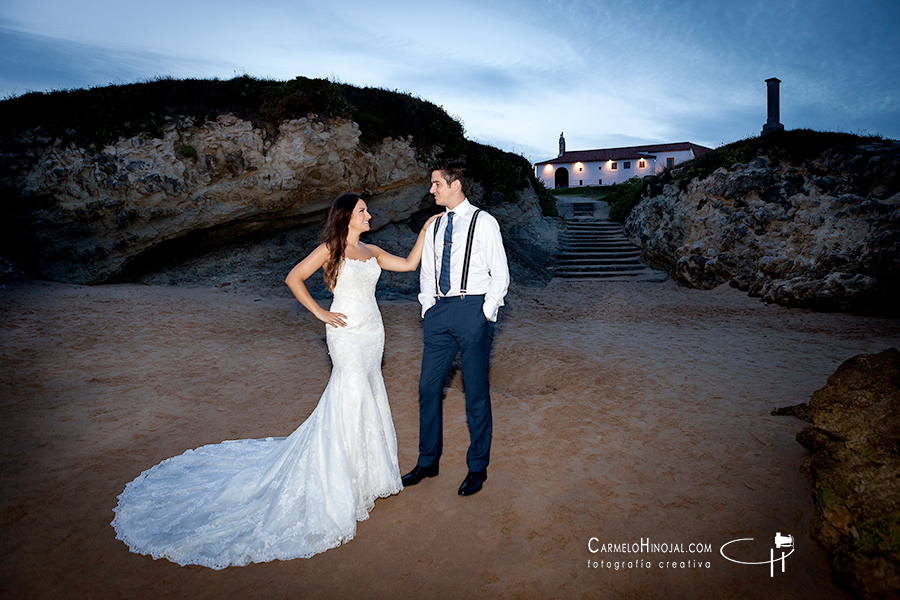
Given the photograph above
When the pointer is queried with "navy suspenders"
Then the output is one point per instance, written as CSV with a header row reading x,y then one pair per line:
x,y
468,259
465,271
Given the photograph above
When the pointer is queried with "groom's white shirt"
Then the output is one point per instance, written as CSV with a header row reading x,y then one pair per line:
x,y
488,270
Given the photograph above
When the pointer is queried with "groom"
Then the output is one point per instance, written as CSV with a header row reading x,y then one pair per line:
x,y
463,280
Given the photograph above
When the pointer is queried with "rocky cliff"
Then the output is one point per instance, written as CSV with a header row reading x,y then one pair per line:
x,y
86,216
797,218
854,468
189,186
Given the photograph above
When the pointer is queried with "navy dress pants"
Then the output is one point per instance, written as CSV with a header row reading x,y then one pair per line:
x,y
456,326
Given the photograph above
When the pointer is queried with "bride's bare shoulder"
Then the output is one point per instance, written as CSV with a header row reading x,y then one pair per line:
x,y
374,250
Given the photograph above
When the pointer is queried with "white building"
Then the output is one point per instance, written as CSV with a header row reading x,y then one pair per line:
x,y
612,165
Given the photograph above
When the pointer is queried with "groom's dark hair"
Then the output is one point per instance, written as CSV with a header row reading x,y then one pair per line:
x,y
454,170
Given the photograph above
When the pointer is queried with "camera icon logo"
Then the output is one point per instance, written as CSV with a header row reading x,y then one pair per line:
x,y
781,541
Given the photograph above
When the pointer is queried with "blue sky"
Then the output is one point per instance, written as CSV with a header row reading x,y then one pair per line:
x,y
516,73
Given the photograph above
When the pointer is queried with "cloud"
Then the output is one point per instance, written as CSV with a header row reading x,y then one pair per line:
x,y
30,62
514,71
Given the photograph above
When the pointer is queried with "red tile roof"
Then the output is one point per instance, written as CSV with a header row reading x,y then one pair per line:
x,y
628,153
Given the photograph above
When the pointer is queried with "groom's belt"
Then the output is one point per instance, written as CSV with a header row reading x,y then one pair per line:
x,y
473,297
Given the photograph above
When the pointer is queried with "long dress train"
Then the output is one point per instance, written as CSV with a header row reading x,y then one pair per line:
x,y
246,501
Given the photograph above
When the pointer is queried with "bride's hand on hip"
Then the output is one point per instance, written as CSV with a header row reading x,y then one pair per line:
x,y
333,318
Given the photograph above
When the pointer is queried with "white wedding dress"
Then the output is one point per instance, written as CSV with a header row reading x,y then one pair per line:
x,y
246,501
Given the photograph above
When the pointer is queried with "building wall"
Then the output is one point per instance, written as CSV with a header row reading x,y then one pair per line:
x,y
603,173
679,156
619,171
596,173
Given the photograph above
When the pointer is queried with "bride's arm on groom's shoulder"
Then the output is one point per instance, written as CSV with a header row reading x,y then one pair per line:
x,y
389,262
299,274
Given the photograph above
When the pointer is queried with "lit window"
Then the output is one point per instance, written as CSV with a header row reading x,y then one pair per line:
x,y
627,164
615,166
642,164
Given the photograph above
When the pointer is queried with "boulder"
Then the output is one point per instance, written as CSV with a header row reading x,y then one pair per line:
x,y
819,233
854,468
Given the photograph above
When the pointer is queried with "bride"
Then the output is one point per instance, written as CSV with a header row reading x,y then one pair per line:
x,y
244,501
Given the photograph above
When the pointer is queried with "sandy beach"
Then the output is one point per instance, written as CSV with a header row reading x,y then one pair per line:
x,y
625,412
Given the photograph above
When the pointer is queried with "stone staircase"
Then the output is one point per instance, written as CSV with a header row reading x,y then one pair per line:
x,y
597,249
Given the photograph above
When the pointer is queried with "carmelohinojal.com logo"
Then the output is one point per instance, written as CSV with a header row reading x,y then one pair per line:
x,y
683,556
677,555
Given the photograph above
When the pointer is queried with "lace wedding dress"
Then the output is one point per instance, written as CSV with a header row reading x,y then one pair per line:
x,y
246,501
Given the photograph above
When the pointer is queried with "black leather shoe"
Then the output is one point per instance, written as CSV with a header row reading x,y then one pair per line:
x,y
418,474
473,483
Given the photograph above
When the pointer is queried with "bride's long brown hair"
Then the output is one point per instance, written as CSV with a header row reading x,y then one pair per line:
x,y
335,235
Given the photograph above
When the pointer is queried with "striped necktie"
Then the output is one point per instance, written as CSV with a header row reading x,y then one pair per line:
x,y
445,257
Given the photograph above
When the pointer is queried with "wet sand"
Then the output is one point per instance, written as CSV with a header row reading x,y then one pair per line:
x,y
625,412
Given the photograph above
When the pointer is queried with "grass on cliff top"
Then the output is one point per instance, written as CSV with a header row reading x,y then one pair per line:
x,y
99,116
503,173
793,147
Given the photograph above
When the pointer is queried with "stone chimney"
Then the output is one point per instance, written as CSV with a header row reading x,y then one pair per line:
x,y
773,106
562,144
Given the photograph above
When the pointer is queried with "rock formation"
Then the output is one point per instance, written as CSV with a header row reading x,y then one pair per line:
x,y
86,213
85,216
854,468
818,231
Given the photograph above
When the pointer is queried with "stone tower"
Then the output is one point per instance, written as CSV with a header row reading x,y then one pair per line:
x,y
773,107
